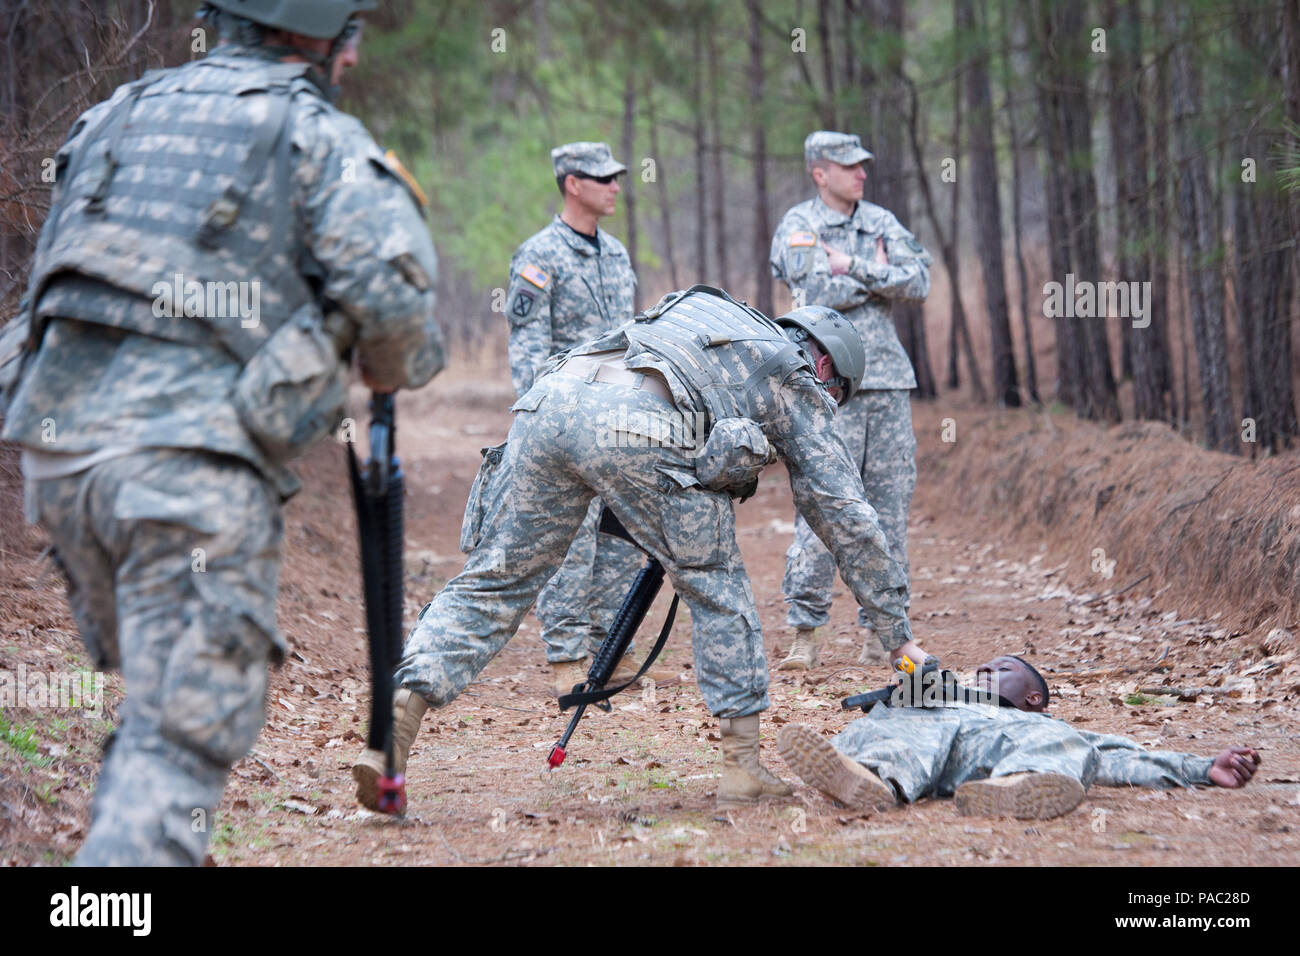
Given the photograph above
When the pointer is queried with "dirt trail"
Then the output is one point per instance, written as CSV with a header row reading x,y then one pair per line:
x,y
637,787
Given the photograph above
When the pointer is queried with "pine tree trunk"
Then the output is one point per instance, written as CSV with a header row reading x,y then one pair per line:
x,y
988,210
1200,247
719,178
887,183
701,265
629,190
661,178
762,243
1017,226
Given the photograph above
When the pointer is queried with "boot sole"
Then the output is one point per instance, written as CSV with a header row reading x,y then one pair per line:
x,y
367,778
818,763
1033,796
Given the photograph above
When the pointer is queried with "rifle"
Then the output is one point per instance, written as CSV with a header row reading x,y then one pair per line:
x,y
640,596
928,687
377,492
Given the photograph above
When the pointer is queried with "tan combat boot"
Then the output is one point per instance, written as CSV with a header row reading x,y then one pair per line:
x,y
1025,796
872,653
408,710
744,779
803,654
568,673
813,758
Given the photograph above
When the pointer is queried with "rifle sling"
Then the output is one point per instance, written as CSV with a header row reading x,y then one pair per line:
x,y
582,698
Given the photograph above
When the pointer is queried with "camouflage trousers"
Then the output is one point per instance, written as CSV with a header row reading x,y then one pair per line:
x,y
172,559
933,751
876,426
529,500
577,607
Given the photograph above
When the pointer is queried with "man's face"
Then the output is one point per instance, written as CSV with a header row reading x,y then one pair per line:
x,y
347,57
1009,678
842,182
825,369
596,196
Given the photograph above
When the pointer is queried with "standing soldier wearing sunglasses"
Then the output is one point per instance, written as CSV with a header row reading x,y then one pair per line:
x,y
569,283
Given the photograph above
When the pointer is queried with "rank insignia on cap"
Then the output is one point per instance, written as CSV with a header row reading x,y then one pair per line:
x,y
395,164
536,276
803,239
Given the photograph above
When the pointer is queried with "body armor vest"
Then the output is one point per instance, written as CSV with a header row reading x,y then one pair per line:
x,y
185,179
692,330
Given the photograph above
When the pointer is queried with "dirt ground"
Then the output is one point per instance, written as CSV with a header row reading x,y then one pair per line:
x,y
637,787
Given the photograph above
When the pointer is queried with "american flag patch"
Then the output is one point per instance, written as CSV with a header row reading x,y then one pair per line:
x,y
536,276
803,239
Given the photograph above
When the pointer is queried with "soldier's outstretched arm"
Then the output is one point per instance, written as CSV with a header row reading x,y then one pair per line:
x,y
798,259
528,308
366,229
1125,763
828,493
907,276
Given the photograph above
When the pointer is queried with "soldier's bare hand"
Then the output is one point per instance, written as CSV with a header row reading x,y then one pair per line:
x,y
1234,767
840,260
882,257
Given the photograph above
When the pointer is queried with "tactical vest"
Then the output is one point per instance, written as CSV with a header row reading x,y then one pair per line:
x,y
690,330
724,351
164,191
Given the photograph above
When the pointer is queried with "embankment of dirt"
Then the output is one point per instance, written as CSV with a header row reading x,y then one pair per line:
x,y
1219,535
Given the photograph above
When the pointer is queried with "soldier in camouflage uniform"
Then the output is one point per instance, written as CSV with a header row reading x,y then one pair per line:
x,y
665,419
840,251
1011,759
157,413
568,283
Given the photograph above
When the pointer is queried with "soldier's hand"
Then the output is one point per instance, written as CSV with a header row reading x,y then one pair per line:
x,y
840,261
882,257
1234,767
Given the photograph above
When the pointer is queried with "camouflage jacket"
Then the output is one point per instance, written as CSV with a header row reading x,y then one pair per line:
x,y
863,294
979,736
797,417
562,292
98,383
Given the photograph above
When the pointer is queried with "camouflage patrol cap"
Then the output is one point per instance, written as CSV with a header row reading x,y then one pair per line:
x,y
843,148
587,159
323,19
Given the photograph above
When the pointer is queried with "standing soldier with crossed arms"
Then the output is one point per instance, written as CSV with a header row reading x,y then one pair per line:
x,y
838,251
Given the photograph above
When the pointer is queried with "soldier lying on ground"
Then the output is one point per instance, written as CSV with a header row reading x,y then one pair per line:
x,y
1010,759
666,419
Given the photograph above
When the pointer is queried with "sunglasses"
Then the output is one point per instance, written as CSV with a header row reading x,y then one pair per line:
x,y
603,180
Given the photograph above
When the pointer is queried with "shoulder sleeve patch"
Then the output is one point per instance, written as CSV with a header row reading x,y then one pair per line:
x,y
396,167
536,276
803,239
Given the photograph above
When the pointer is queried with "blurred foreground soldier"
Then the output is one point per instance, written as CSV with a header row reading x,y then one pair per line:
x,y
569,283
1009,759
220,237
666,419
838,251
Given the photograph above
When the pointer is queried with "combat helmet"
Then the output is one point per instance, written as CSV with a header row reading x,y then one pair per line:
x,y
836,336
322,19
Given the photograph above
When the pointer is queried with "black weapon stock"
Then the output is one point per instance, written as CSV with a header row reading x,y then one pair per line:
x,y
639,598
377,491
928,687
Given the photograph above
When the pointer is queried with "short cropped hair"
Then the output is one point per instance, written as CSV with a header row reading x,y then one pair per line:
x,y
1042,682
